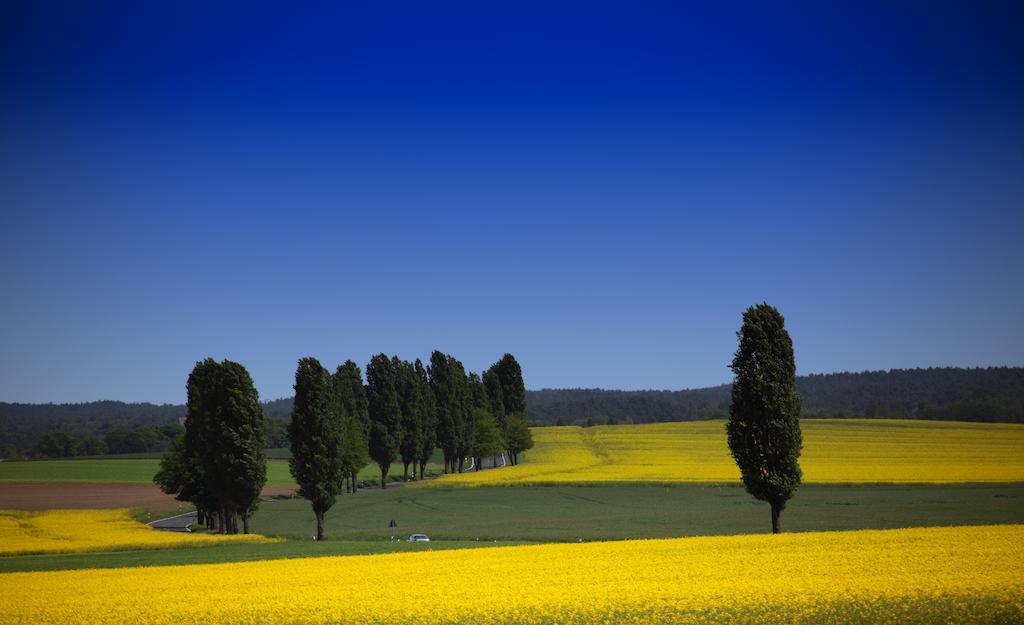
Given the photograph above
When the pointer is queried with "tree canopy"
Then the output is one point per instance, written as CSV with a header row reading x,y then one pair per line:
x,y
764,428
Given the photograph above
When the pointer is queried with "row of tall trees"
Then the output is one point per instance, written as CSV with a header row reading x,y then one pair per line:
x,y
220,463
403,413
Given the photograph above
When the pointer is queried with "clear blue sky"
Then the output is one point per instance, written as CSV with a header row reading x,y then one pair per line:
x,y
600,189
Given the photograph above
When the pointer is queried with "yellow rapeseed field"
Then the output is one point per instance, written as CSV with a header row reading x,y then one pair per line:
x,y
70,531
835,451
926,575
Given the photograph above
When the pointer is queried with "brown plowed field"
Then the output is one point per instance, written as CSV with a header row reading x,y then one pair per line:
x,y
52,496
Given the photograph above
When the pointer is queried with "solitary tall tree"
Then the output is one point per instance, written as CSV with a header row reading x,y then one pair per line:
x,y
316,434
764,426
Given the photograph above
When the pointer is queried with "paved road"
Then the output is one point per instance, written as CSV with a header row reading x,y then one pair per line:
x,y
178,523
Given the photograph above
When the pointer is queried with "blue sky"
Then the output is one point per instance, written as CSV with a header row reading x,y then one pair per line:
x,y
600,189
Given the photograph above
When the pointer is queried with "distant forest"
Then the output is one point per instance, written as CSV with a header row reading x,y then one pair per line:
x,y
994,394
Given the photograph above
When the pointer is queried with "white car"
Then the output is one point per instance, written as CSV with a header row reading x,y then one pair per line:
x,y
419,538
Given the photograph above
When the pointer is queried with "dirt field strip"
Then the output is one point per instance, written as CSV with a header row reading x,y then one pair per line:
x,y
73,495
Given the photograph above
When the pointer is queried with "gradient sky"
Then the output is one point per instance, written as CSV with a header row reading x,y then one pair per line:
x,y
600,189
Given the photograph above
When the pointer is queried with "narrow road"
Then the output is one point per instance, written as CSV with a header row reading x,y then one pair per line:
x,y
177,523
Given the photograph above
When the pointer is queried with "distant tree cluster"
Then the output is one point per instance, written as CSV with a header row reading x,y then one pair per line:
x,y
219,464
994,394
403,413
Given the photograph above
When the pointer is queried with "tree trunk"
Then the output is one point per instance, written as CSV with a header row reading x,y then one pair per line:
x,y
355,486
776,511
423,469
405,471
211,521
245,523
383,478
319,525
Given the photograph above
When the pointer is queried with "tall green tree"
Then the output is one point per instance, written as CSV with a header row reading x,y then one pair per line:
x,y
428,442
348,383
383,383
234,453
316,434
764,427
351,396
412,407
495,403
506,393
487,438
517,436
513,389
451,396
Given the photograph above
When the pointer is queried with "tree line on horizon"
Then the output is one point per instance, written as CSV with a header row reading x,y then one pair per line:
x,y
338,425
994,394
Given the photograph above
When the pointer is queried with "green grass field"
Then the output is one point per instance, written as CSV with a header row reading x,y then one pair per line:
x,y
142,470
566,513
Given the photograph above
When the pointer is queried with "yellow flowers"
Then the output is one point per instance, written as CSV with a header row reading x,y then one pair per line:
x,y
69,531
929,575
835,451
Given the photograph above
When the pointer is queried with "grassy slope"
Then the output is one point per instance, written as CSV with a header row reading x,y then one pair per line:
x,y
142,470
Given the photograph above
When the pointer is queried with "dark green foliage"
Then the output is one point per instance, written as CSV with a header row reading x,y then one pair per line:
x,y
487,438
348,383
517,436
450,387
764,426
351,397
219,463
55,445
234,459
413,414
428,440
513,390
181,474
383,392
477,393
316,439
495,403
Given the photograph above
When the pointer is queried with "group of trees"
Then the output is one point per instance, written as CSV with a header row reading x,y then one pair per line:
x,y
994,394
117,440
403,413
220,464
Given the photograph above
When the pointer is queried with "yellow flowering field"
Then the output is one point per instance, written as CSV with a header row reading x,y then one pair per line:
x,y
835,451
70,531
925,575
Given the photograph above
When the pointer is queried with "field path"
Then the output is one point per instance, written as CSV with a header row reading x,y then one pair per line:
x,y
176,523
